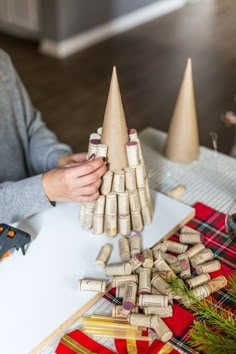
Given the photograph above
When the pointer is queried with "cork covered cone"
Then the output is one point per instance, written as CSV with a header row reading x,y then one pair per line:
x,y
114,131
182,143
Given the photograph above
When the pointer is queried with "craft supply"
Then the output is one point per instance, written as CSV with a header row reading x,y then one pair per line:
x,y
163,332
147,214
148,258
111,225
118,181
185,266
111,204
198,280
190,238
130,179
103,256
134,201
136,261
98,221
129,299
208,267
159,246
101,151
137,222
147,300
161,311
119,312
161,265
121,280
132,153
144,281
177,191
92,148
106,183
123,203
140,178
133,135
169,258
176,267
175,247
216,283
202,257
120,292
99,130
118,269
124,225
135,244
160,284
138,319
95,136
142,197
99,206
93,285
195,250
124,249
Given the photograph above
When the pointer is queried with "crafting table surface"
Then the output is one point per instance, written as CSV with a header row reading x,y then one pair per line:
x,y
210,179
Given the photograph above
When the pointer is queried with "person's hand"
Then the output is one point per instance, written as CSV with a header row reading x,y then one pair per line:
x,y
71,159
78,182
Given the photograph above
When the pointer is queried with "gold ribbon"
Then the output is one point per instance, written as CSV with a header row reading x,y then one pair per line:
x,y
73,345
131,346
166,349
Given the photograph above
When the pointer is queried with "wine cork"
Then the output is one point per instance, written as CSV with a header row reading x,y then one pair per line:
x,y
119,312
201,292
135,244
163,332
159,246
145,281
146,300
148,258
137,222
98,221
202,257
93,285
177,191
134,201
101,150
111,204
198,280
184,263
120,292
90,205
129,299
189,230
118,181
124,249
154,291
216,283
161,265
169,258
110,225
123,203
190,238
208,267
100,205
136,261
175,247
132,153
140,154
161,311
157,255
176,267
142,197
133,135
147,189
120,280
92,148
166,275
95,136
195,250
99,131
124,225
106,183
118,269
138,319
103,256
147,214
130,179
87,219
81,213
160,284
140,178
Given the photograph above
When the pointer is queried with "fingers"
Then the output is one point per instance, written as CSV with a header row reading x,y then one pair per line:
x,y
91,188
80,157
88,198
92,178
88,168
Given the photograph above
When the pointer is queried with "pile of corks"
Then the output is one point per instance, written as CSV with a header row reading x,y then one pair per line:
x,y
141,279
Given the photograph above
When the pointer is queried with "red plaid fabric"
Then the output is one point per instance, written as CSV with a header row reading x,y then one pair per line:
x,y
211,224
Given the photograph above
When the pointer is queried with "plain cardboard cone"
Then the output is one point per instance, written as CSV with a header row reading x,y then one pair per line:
x,y
182,143
114,131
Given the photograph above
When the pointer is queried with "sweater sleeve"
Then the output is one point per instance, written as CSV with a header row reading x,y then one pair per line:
x,y
44,147
21,199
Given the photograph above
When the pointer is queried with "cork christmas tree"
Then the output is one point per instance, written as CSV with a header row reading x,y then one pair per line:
x,y
182,143
124,203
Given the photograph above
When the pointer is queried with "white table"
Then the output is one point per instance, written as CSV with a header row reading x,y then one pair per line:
x,y
40,290
210,180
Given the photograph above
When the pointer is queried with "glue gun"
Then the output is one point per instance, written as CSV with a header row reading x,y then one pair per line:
x,y
10,237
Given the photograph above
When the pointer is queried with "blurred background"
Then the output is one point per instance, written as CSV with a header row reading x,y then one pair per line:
x,y
64,51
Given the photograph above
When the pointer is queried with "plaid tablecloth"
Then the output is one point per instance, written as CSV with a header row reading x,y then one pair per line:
x,y
211,224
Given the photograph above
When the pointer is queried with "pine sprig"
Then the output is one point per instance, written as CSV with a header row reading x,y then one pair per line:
x,y
231,288
210,342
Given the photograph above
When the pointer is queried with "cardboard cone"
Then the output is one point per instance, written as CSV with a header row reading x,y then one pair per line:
x,y
114,131
182,143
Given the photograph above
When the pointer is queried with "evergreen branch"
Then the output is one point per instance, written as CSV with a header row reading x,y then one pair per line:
x,y
207,340
231,288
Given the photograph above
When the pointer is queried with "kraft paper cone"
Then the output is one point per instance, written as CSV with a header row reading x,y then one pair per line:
x,y
114,131
182,143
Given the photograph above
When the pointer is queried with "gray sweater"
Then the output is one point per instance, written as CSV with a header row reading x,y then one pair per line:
x,y
27,149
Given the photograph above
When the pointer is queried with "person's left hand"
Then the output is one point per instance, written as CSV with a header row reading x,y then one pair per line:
x,y
68,160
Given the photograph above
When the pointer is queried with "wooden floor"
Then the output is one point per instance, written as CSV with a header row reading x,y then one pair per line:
x,y
150,60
